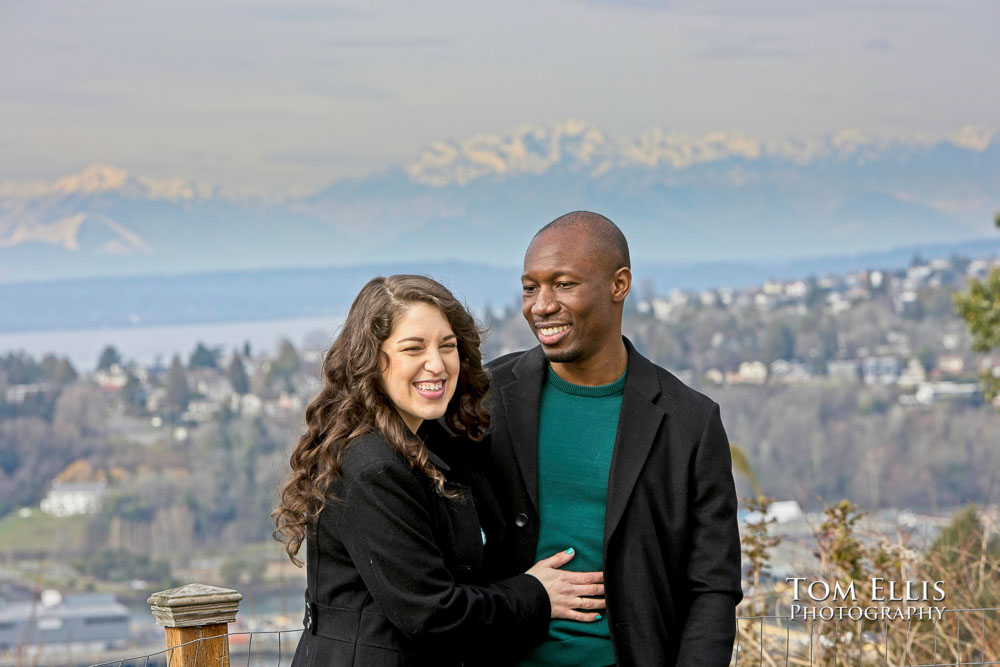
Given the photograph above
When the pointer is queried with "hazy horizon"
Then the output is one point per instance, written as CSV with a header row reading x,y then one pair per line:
x,y
277,98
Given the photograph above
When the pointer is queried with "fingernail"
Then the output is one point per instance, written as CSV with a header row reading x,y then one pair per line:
x,y
570,550
599,617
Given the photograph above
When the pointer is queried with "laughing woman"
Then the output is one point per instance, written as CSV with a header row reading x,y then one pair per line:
x,y
394,543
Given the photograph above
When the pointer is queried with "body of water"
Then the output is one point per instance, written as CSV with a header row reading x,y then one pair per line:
x,y
147,344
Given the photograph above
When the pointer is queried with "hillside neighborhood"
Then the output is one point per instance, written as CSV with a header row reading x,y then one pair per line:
x,y
154,473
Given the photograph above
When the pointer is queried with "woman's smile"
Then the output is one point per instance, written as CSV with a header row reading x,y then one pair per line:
x,y
430,389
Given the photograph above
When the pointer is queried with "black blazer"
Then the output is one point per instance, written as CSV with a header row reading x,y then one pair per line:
x,y
395,572
671,542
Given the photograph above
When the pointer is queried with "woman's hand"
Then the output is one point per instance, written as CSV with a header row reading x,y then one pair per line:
x,y
567,589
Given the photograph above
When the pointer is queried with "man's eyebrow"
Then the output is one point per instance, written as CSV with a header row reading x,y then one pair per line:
x,y
554,275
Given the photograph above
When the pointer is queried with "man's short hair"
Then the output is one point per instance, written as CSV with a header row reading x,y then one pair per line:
x,y
604,233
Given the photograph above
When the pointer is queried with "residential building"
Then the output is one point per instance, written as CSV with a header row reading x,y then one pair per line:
x,y
72,498
844,370
880,370
54,624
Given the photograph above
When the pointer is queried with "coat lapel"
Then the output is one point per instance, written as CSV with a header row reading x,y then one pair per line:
x,y
520,400
638,425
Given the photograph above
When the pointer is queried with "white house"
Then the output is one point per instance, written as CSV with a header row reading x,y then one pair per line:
x,y
113,378
70,498
750,372
880,370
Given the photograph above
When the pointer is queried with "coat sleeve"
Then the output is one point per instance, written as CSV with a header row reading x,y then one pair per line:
x,y
714,562
387,528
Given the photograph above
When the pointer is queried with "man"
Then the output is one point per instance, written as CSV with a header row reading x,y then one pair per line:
x,y
595,447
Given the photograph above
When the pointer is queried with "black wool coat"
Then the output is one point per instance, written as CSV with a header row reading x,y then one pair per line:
x,y
395,572
671,542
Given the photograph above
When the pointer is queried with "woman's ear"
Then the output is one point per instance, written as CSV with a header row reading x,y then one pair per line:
x,y
383,366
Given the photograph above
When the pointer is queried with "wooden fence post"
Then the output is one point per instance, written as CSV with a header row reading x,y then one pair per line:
x,y
192,612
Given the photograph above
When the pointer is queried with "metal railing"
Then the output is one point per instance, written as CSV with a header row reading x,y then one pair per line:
x,y
762,641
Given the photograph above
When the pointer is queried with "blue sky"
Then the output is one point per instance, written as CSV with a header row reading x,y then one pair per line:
x,y
276,97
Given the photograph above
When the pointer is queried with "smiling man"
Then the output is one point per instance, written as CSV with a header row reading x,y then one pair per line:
x,y
596,447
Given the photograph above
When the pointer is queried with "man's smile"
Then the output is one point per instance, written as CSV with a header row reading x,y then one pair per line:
x,y
552,334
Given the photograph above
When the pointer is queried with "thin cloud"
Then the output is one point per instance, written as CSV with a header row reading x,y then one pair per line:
x,y
316,158
632,4
771,8
58,97
347,91
304,12
753,47
393,43
878,45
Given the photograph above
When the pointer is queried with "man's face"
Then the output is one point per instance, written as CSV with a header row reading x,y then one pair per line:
x,y
567,296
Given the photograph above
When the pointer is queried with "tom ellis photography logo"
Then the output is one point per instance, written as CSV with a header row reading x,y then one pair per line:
x,y
881,600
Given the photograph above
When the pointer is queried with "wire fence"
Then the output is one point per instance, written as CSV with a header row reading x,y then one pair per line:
x,y
761,641
263,648
958,637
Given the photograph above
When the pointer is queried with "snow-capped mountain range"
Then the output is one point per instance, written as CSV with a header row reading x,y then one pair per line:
x,y
722,196
578,146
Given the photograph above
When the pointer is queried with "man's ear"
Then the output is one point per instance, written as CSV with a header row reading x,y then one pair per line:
x,y
621,284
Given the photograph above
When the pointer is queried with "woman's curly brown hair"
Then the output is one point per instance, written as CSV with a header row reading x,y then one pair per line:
x,y
352,401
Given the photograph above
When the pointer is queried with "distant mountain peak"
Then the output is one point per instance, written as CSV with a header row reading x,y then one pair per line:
x,y
974,137
97,179
527,149
657,146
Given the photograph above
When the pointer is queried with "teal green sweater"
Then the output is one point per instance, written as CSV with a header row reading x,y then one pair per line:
x,y
576,435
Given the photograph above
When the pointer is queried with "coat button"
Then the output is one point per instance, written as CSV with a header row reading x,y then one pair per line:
x,y
521,520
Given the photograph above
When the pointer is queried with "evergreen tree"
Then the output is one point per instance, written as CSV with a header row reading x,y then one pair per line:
x,y
109,357
133,394
285,364
202,357
19,368
779,343
178,392
927,357
237,375
56,370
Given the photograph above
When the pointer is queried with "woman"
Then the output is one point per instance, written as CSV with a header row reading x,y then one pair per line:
x,y
394,543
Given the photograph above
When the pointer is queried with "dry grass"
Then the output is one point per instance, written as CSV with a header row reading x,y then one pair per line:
x,y
965,557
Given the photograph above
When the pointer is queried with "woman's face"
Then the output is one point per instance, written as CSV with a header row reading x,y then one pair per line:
x,y
422,370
